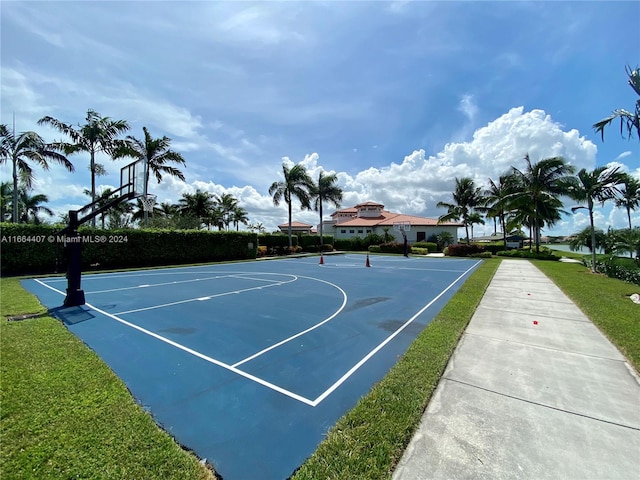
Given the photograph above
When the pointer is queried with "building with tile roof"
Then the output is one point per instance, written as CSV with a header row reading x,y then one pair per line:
x,y
371,217
297,227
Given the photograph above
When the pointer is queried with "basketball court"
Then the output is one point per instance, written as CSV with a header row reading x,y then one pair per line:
x,y
250,364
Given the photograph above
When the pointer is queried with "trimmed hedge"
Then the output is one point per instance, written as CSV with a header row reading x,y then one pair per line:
x,y
463,250
528,254
392,247
311,243
31,249
432,247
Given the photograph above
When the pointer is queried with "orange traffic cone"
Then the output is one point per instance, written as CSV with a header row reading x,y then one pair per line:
x,y
367,264
321,260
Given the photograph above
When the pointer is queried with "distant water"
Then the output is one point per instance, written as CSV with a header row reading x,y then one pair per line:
x,y
563,247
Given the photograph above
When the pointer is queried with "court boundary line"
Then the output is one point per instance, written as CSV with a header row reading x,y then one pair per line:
x,y
366,358
195,353
274,387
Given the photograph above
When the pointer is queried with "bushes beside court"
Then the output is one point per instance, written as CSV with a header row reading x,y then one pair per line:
x,y
30,249
544,254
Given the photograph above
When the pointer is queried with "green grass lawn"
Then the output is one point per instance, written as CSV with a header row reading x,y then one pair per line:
x,y
66,415
604,300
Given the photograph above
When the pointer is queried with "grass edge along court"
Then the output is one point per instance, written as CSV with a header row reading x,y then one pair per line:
x,y
60,422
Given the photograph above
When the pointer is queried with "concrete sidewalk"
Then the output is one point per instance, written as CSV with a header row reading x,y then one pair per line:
x,y
533,391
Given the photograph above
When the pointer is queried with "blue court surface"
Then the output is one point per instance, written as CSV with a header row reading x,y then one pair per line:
x,y
250,364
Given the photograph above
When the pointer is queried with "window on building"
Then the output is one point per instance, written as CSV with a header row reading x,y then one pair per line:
x,y
421,236
351,231
368,230
360,231
343,231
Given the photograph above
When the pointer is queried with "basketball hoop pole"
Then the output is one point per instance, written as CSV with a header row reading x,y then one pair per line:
x,y
75,294
73,240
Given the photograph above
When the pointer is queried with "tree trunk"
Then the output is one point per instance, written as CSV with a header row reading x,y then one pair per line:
x,y
15,189
593,237
93,186
321,242
289,229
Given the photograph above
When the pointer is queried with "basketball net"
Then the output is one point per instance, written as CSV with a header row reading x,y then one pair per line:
x,y
148,201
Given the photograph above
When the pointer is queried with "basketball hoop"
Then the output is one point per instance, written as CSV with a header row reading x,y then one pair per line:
x,y
402,227
148,201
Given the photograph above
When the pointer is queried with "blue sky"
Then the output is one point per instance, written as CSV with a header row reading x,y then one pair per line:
x,y
397,98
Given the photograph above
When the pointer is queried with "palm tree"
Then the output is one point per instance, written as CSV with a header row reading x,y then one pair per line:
x,y
629,197
22,149
199,205
496,198
227,203
239,215
592,239
102,199
98,134
628,240
6,197
120,215
326,190
257,227
475,218
467,198
156,153
167,209
537,191
627,119
31,205
598,185
296,184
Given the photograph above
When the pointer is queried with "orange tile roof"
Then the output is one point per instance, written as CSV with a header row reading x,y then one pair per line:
x,y
387,219
295,225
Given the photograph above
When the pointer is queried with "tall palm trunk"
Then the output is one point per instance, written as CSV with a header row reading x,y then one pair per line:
x,y
15,189
321,242
93,185
593,235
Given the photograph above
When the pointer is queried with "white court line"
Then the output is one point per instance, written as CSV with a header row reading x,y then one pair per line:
x,y
286,340
177,282
274,387
270,385
234,292
353,369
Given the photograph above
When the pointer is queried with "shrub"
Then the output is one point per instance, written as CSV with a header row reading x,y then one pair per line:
x,y
374,248
543,255
431,246
292,250
45,252
419,251
392,247
493,248
610,269
327,247
262,251
464,250
481,255
373,239
272,240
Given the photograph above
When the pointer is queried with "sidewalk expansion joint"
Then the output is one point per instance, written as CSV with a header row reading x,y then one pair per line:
x,y
542,347
542,404
545,315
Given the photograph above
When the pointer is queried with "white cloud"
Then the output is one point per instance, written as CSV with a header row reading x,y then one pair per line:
x,y
468,107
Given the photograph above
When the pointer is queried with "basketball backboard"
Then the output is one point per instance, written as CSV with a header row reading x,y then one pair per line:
x,y
402,227
132,179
